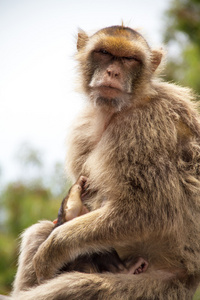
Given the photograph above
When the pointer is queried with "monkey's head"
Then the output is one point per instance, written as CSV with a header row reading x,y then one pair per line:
x,y
116,64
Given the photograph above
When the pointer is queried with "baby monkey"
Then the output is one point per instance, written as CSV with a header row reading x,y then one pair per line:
x,y
72,207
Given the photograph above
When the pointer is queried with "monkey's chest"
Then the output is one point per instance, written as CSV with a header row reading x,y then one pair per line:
x,y
131,160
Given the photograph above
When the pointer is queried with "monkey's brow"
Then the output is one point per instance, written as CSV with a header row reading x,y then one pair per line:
x,y
109,53
118,52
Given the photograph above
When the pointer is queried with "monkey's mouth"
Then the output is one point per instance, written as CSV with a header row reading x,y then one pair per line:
x,y
110,97
109,90
111,87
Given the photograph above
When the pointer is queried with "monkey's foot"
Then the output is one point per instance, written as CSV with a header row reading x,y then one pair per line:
x,y
78,188
83,184
81,181
139,267
73,206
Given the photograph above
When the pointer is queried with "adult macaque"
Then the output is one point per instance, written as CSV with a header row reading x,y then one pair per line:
x,y
138,143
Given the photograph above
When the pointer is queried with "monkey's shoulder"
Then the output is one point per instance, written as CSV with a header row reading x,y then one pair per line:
x,y
169,117
181,102
182,99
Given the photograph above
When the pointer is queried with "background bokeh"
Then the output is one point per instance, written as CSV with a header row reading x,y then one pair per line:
x,y
38,100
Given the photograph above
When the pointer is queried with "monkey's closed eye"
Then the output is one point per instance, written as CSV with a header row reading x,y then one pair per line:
x,y
103,51
131,58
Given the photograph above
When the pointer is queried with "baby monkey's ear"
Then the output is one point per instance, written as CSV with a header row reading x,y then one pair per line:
x,y
82,39
156,57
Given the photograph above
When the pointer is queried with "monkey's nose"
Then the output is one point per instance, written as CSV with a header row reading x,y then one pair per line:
x,y
113,73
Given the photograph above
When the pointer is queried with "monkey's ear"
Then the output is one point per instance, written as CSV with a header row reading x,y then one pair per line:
x,y
156,57
82,39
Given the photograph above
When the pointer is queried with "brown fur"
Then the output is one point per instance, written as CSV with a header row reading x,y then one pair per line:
x,y
141,153
72,207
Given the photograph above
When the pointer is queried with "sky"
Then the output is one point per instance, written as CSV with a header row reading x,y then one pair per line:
x,y
38,101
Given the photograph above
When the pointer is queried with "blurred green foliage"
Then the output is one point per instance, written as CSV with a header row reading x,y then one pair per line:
x,y
22,204
182,35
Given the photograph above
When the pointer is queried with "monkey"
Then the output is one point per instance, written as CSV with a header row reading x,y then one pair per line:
x,y
72,207
138,143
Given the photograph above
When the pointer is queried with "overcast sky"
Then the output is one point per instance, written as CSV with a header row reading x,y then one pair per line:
x,y
37,71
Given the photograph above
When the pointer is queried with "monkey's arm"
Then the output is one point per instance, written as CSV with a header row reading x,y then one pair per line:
x,y
72,239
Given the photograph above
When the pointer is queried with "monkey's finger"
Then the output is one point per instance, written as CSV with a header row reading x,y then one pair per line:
x,y
87,184
85,188
85,192
145,266
81,181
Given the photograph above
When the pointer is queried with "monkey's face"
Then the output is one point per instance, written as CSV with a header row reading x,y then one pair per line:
x,y
115,62
113,77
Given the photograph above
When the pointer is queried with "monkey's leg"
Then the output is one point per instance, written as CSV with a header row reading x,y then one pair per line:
x,y
76,286
74,206
32,238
